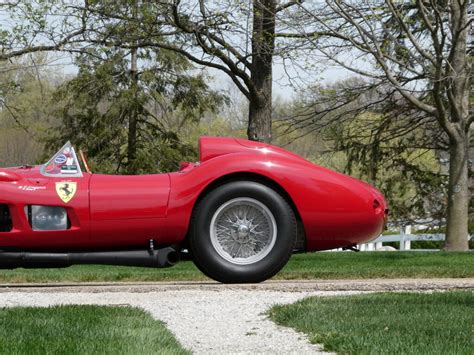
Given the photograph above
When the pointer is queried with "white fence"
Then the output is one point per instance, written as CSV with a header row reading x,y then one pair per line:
x,y
404,238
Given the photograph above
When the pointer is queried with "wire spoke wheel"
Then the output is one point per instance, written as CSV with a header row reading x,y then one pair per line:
x,y
243,231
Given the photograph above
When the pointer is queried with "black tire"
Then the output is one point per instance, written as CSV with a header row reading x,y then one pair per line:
x,y
213,264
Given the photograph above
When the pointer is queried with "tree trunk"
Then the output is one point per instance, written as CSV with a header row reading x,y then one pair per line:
x,y
133,115
260,119
263,47
458,93
458,195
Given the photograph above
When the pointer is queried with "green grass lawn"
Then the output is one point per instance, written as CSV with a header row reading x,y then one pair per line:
x,y
83,330
346,265
386,323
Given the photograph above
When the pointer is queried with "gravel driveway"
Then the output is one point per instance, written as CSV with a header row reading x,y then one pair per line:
x,y
210,318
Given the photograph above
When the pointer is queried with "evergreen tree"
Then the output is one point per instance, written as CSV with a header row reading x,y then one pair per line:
x,y
136,97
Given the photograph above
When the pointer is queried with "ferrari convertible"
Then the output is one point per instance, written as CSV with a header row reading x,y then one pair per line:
x,y
239,212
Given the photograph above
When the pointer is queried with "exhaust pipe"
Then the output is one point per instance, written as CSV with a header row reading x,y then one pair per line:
x,y
159,258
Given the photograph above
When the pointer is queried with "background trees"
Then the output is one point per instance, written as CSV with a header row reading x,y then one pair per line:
x,y
129,115
238,39
38,26
418,58
129,100
26,85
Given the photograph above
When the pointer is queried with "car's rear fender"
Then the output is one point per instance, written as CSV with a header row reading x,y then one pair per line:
x,y
335,210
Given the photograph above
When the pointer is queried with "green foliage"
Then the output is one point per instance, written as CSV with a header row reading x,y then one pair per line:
x,y
26,87
410,177
83,330
374,143
97,104
385,323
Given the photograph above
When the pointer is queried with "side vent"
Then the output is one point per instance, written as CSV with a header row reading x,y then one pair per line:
x,y
5,219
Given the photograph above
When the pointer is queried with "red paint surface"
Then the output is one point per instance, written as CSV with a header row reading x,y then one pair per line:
x,y
127,211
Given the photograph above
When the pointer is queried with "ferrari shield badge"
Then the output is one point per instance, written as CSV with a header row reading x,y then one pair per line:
x,y
66,190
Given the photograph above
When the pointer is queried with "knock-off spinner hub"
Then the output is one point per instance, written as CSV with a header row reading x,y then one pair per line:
x,y
243,232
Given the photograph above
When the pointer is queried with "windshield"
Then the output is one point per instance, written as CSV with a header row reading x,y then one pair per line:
x,y
63,164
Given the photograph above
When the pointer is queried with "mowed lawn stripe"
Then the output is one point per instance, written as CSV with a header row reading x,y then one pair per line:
x,y
346,265
386,323
83,330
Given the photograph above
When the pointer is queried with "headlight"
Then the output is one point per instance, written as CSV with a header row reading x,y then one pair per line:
x,y
47,218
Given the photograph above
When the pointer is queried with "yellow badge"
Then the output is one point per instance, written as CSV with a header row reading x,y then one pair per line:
x,y
66,190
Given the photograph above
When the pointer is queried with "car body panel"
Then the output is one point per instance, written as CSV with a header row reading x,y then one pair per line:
x,y
126,207
336,210
34,189
128,211
128,197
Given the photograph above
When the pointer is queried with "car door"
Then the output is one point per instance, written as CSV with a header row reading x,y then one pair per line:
x,y
127,210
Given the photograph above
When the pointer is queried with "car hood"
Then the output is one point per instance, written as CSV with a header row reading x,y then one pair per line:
x,y
15,174
8,175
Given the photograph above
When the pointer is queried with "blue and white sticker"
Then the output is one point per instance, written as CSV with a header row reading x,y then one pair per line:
x,y
60,159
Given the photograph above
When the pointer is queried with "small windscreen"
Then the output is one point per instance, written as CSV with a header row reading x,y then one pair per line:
x,y
63,164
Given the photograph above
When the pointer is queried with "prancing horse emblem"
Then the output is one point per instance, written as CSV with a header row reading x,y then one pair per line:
x,y
66,190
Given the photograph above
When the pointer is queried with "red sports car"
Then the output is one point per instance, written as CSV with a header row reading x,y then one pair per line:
x,y
239,213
